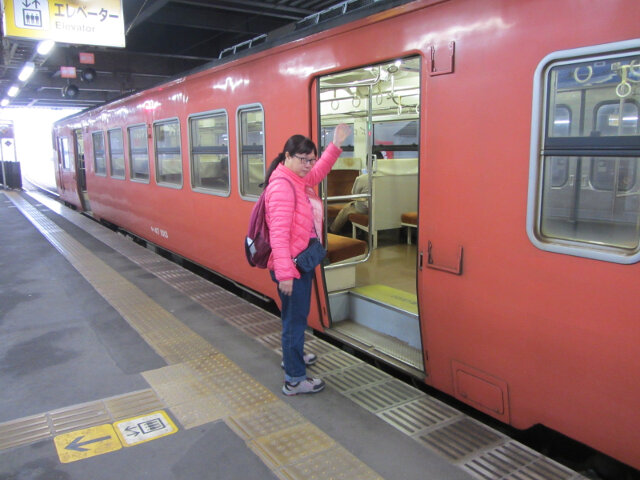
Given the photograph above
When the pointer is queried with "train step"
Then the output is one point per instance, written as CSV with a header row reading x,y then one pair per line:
x,y
383,327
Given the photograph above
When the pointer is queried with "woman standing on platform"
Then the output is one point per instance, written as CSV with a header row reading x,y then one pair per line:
x,y
294,215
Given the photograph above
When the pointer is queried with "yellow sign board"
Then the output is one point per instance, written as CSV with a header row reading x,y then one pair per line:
x,y
86,443
91,22
144,429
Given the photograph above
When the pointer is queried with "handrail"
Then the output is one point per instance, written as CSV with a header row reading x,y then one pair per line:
x,y
339,198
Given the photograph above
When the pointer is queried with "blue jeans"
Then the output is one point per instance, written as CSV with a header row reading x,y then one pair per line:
x,y
295,309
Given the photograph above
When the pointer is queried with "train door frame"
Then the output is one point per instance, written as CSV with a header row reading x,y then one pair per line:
x,y
80,167
403,324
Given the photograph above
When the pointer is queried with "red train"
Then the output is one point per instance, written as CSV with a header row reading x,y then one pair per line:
x,y
502,138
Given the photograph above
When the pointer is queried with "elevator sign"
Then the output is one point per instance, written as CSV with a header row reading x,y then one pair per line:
x,y
91,22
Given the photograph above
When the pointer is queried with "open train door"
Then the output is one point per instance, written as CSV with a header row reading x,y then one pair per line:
x,y
368,196
81,175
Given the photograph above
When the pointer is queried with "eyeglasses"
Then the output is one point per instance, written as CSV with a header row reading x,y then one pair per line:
x,y
308,161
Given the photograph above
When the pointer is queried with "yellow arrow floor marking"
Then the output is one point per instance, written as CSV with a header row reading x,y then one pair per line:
x,y
86,443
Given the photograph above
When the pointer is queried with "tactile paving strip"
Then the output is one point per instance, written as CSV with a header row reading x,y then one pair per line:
x,y
334,464
515,461
285,446
380,396
461,439
417,415
423,418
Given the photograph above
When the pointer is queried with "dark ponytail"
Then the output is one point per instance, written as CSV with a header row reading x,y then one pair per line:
x,y
295,145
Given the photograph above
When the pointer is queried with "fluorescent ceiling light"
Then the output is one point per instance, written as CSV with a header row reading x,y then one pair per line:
x,y
45,46
13,91
4,102
26,72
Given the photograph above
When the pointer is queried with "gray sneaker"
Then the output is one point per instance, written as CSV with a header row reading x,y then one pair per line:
x,y
309,385
309,359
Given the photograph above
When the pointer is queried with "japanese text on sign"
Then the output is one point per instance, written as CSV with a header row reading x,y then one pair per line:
x,y
100,22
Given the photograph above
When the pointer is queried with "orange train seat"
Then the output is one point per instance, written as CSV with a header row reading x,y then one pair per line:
x,y
339,182
341,248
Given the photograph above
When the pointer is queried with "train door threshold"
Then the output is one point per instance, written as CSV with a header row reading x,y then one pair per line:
x,y
383,331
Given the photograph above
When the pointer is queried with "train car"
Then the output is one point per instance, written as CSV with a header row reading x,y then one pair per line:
x,y
500,140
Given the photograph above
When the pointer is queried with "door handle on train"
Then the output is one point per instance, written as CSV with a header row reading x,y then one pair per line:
x,y
456,270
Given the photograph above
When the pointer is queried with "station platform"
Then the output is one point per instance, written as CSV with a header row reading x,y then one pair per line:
x,y
117,363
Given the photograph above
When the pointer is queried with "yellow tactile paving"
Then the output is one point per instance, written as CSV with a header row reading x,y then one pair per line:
x,y
284,446
200,384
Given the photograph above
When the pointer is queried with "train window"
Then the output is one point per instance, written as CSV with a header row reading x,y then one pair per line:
x,y
64,152
561,128
209,140
138,153
168,155
99,158
584,198
116,153
397,139
251,149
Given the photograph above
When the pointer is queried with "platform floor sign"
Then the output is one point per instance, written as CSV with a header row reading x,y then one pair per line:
x,y
86,443
89,442
144,429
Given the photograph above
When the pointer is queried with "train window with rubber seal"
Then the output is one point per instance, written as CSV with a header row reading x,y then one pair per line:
x,y
584,183
99,154
65,154
209,152
251,153
116,153
166,135
138,153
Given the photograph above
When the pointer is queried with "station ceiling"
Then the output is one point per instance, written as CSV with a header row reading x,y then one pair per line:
x,y
166,38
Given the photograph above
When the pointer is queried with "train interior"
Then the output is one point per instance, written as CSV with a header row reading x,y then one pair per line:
x,y
590,194
371,202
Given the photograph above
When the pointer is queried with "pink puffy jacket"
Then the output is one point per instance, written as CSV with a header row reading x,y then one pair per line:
x,y
289,231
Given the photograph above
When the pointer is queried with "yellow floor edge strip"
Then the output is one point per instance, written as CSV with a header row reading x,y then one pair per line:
x,y
211,386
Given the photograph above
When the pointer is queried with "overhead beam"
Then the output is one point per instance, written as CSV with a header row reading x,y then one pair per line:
x,y
144,12
210,20
253,7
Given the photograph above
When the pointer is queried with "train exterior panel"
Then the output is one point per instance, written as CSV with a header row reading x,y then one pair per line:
x,y
523,327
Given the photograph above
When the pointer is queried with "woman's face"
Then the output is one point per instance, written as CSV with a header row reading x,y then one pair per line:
x,y
300,163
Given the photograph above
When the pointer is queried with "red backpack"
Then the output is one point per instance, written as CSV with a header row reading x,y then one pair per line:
x,y
256,244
